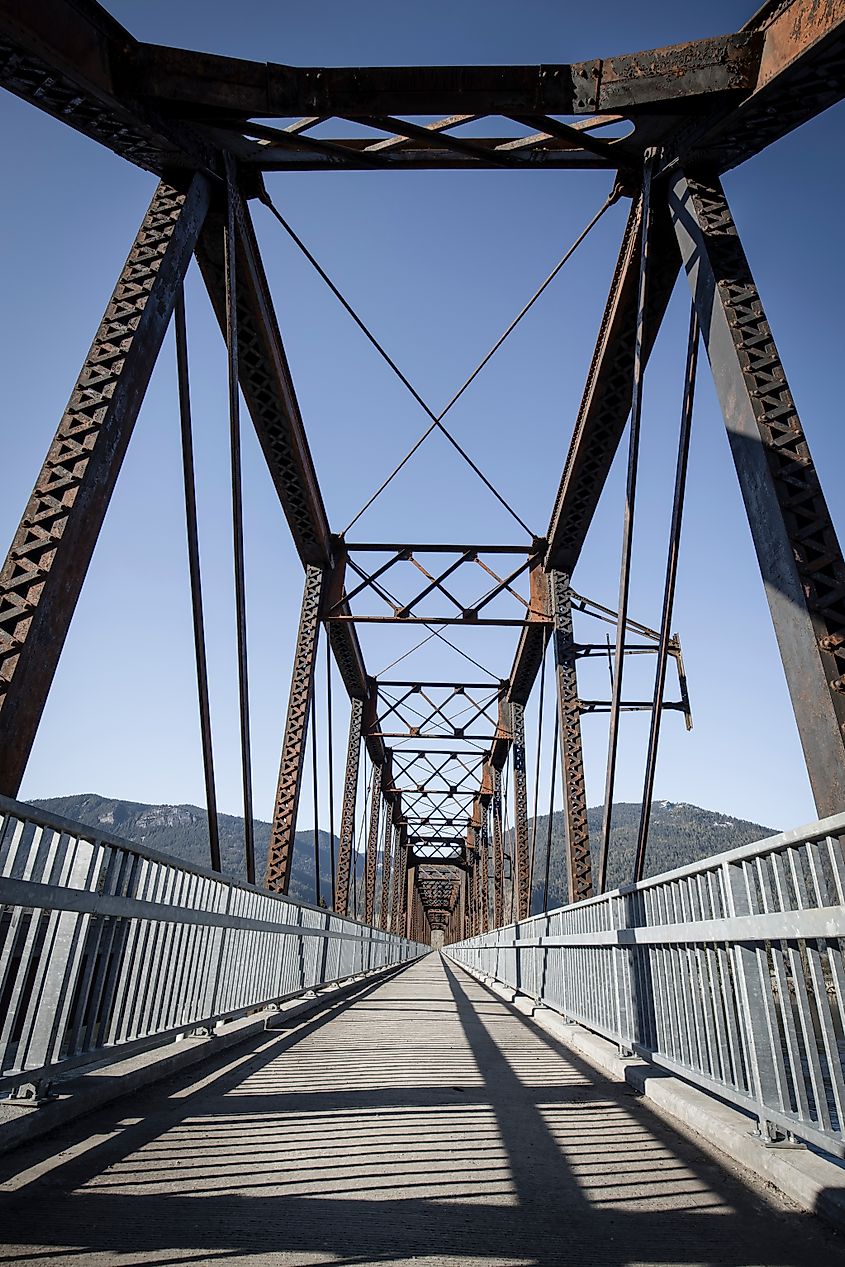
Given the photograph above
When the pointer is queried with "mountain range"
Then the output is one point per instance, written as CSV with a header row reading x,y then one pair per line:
x,y
679,833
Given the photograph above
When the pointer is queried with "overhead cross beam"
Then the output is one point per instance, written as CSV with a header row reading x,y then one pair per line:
x,y
721,97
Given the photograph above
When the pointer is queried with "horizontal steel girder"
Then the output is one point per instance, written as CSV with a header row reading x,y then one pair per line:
x,y
160,107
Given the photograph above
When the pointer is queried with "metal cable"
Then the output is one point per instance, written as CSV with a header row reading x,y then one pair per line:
x,y
315,795
628,520
669,591
230,244
437,419
330,755
195,575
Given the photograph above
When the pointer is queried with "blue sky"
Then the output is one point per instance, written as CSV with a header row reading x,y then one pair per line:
x,y
438,263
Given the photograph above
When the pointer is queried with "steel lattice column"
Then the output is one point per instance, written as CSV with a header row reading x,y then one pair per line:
x,y
396,881
347,818
484,845
797,549
404,873
578,862
520,812
386,850
49,556
372,847
498,852
282,833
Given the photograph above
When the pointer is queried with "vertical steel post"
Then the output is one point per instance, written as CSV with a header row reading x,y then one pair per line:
x,y
195,574
408,922
668,592
280,852
371,859
386,856
578,862
484,845
797,549
231,250
498,852
396,880
628,520
49,557
520,813
347,815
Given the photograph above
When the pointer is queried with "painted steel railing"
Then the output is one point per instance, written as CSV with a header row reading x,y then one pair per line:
x,y
107,947
728,972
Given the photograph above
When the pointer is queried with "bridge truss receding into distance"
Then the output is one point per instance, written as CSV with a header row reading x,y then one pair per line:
x,y
449,845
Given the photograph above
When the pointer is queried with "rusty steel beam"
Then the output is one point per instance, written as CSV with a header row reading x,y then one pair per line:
x,y
68,59
800,73
371,856
577,833
723,97
46,566
484,846
270,397
266,382
206,86
498,852
606,401
347,816
386,859
797,549
602,415
520,814
283,830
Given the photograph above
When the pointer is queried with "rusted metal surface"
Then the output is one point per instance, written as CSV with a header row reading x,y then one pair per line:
x,y
208,87
522,844
49,556
606,401
347,816
797,549
280,850
576,830
266,383
162,107
371,856
386,861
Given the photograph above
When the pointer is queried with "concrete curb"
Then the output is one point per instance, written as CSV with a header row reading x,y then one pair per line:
x,y
81,1093
811,1181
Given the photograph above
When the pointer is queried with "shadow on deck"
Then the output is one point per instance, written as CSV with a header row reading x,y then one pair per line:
x,y
425,1121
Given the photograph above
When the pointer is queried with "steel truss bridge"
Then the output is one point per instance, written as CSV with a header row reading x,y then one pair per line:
x,y
107,946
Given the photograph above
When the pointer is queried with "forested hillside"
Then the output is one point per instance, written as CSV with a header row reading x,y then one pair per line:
x,y
182,830
679,833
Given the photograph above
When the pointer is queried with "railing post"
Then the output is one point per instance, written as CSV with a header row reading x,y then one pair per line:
x,y
752,1011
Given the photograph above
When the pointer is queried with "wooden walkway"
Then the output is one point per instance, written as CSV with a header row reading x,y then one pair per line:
x,y
425,1122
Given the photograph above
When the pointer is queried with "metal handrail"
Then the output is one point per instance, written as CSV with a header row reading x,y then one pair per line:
x,y
108,948
728,972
